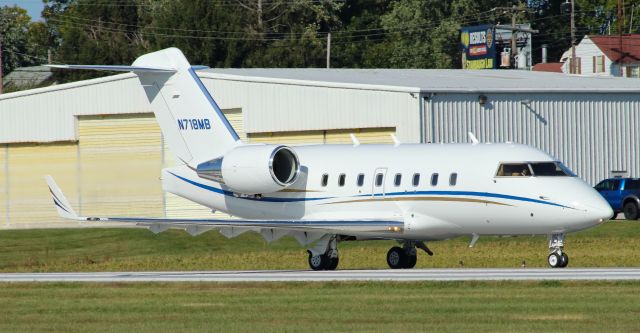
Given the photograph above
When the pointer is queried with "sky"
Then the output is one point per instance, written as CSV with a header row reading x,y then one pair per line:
x,y
33,7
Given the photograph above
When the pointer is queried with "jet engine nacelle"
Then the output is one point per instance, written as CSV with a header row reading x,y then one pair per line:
x,y
253,169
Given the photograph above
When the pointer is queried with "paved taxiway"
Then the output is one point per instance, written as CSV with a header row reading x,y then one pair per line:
x,y
468,274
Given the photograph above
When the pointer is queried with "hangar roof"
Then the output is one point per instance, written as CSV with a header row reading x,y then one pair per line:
x,y
431,80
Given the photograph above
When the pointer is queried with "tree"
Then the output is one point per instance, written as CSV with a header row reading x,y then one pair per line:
x,y
425,34
14,24
88,32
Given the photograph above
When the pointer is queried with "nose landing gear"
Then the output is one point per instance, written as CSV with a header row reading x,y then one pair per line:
x,y
557,258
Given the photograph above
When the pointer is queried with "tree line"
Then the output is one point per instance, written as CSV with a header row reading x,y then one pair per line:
x,y
286,33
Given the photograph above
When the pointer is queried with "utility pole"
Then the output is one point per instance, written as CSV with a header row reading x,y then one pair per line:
x,y
514,46
329,50
573,67
633,7
515,10
1,83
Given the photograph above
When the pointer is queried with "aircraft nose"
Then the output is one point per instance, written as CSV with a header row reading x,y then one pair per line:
x,y
599,208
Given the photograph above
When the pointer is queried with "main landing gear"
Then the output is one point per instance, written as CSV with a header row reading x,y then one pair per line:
x,y
557,258
327,260
405,256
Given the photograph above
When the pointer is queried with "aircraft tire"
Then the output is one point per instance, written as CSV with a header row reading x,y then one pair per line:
x,y
332,264
411,261
396,258
564,260
319,262
554,260
630,211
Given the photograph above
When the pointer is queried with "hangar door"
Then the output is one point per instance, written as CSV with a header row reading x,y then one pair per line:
x,y
26,201
120,157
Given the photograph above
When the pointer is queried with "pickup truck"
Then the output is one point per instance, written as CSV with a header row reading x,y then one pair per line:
x,y
623,194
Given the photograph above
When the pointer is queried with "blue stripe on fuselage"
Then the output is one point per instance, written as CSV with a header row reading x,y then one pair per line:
x,y
445,193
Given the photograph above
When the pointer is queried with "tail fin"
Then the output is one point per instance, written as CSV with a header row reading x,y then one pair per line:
x,y
191,121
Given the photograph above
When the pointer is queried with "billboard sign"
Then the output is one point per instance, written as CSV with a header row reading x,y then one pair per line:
x,y
478,47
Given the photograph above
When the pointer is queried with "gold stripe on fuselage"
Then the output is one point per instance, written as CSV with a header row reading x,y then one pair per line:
x,y
446,199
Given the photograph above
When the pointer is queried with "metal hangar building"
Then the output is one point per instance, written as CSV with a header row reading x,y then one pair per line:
x,y
100,141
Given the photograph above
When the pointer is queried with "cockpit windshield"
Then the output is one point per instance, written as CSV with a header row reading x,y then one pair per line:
x,y
535,169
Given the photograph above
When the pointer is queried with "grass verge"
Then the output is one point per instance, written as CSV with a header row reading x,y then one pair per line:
x,y
302,307
611,244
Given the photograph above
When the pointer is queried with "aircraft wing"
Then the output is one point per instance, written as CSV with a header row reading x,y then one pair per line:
x,y
196,226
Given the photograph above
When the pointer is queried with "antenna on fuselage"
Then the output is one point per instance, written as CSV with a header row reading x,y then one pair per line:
x,y
396,142
355,140
473,138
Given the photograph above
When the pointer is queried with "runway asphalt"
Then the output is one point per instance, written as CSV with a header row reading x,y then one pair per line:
x,y
466,274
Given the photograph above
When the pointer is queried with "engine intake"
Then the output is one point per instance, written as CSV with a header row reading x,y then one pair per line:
x,y
253,169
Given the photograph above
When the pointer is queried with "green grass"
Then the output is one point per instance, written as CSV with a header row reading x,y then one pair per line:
x,y
321,307
611,244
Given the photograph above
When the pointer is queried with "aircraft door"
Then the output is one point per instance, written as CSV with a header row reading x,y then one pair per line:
x,y
379,180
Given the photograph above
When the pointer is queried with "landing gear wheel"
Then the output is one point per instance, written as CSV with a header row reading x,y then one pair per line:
x,y
332,264
318,262
564,260
411,261
396,258
554,260
630,211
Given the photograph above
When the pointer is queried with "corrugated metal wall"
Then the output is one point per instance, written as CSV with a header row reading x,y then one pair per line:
x,y
592,134
48,114
273,107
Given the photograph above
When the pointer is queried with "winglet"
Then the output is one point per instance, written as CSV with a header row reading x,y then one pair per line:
x,y
61,203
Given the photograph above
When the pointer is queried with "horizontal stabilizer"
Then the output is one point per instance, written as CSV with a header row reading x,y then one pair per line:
x,y
117,68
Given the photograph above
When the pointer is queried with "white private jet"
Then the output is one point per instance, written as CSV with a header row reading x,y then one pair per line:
x,y
324,194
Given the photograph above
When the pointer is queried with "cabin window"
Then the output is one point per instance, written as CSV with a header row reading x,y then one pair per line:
x,y
434,179
453,179
416,179
379,180
514,170
325,180
341,179
360,179
397,179
546,169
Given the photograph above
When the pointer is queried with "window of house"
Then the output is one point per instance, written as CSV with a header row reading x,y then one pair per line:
x,y
577,69
341,179
434,179
416,179
453,179
379,180
633,71
361,179
598,64
325,180
397,179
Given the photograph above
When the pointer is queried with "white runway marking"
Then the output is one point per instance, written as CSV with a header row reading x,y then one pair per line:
x,y
470,274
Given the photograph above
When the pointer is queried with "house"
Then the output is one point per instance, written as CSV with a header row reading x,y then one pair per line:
x,y
614,55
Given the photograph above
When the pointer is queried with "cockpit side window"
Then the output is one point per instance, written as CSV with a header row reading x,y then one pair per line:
x,y
513,170
549,169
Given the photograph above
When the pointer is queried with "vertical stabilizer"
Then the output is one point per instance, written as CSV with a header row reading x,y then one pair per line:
x,y
192,123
